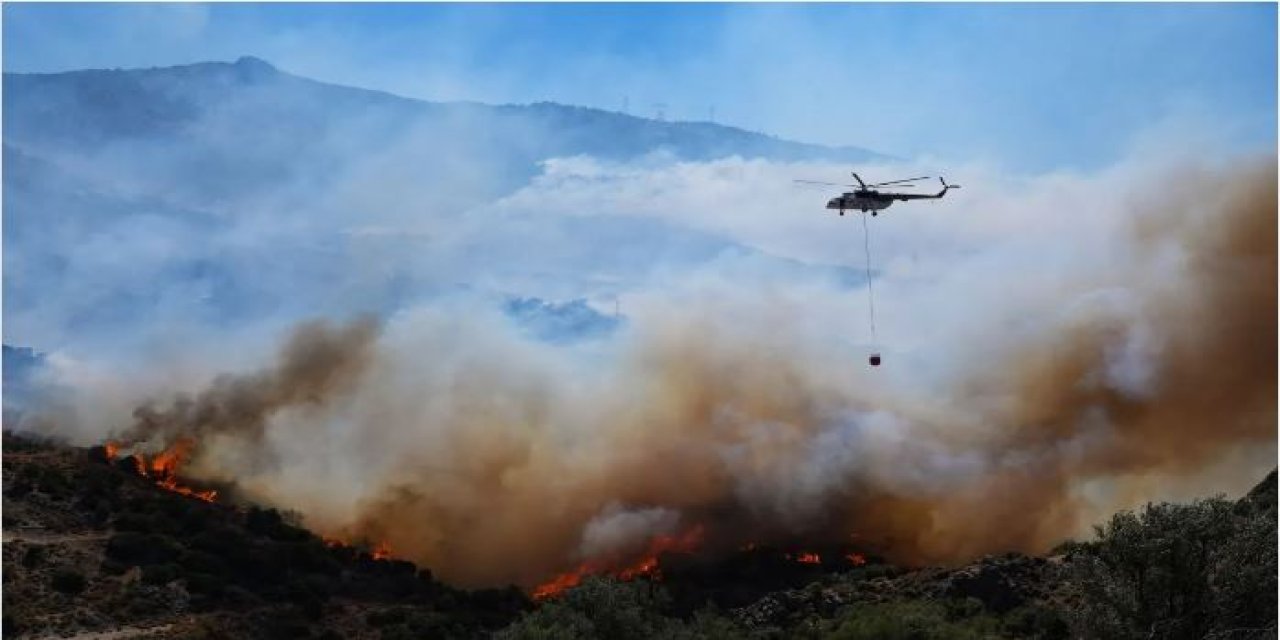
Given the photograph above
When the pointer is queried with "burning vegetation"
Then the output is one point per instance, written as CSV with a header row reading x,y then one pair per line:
x,y
646,567
688,556
162,467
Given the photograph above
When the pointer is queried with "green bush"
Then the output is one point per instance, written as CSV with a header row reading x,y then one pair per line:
x,y
1177,571
710,624
1037,622
597,608
910,620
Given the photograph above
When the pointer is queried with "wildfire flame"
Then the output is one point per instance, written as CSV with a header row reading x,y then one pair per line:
x,y
646,567
379,551
562,582
856,559
163,467
166,463
809,558
172,485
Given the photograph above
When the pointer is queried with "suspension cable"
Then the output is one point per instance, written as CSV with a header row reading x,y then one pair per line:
x,y
871,300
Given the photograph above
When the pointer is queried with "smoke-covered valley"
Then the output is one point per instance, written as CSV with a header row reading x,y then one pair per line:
x,y
398,320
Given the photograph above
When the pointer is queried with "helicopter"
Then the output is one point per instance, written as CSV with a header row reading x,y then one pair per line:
x,y
866,198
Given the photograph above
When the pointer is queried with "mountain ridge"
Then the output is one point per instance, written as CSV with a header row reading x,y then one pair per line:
x,y
251,71
201,179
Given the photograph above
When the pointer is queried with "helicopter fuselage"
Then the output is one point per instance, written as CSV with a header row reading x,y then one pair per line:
x,y
860,201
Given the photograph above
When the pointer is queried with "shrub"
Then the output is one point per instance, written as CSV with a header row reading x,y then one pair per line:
x,y
205,584
1177,571
161,573
710,624
68,582
34,557
137,548
1033,621
201,562
19,489
12,626
269,522
132,521
599,607
386,617
910,620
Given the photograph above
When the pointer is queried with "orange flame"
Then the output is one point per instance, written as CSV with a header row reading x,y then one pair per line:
x,y
381,552
166,462
163,467
856,559
647,566
172,485
809,558
562,582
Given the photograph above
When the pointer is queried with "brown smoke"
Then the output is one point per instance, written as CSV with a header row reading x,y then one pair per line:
x,y
317,364
490,463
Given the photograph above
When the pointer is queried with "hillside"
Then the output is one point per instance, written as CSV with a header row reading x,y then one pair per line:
x,y
229,193
215,132
79,109
92,544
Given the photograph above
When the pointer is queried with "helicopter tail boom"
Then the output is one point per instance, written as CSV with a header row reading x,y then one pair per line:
x,y
945,187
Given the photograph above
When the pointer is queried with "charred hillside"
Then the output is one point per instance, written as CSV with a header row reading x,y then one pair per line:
x,y
97,541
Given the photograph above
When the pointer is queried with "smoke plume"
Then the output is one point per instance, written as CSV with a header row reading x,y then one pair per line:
x,y
493,459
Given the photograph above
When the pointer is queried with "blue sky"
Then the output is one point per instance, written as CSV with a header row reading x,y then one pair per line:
x,y
1039,86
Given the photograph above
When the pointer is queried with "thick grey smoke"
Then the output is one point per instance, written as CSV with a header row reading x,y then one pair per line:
x,y
1034,389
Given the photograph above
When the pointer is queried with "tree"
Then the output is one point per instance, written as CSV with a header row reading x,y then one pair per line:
x,y
1177,571
597,608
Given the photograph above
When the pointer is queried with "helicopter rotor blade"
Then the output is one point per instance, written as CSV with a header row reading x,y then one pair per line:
x,y
831,184
881,184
